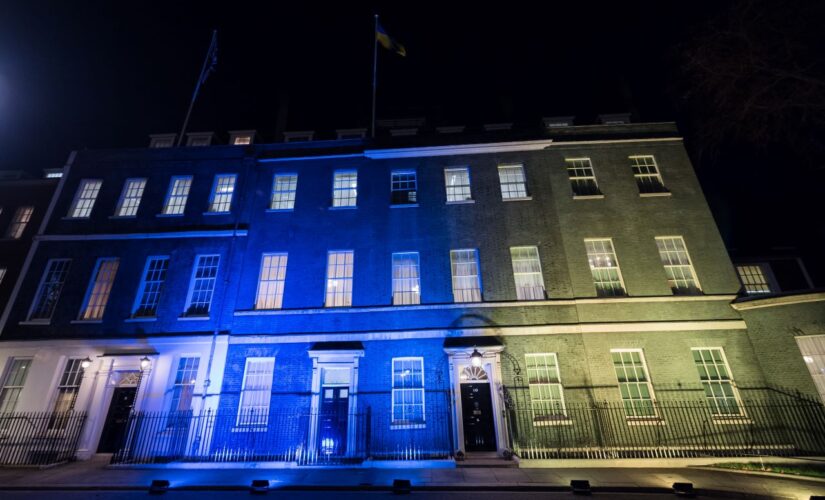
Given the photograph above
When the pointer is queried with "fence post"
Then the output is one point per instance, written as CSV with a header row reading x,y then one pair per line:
x,y
368,433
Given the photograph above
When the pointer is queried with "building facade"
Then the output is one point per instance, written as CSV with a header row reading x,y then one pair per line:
x,y
327,301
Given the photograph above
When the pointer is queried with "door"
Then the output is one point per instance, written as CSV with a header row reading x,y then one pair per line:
x,y
477,416
332,421
123,399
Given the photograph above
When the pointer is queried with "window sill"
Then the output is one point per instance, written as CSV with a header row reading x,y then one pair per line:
x,y
552,422
249,429
193,318
461,202
145,319
279,210
731,420
655,195
344,208
35,322
523,198
645,421
228,212
404,205
86,321
398,427
116,217
69,217
168,215
588,197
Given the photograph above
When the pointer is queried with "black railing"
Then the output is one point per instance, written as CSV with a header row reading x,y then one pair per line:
x,y
676,429
39,438
302,438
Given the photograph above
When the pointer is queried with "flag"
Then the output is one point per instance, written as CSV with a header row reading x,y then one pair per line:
x,y
211,58
387,41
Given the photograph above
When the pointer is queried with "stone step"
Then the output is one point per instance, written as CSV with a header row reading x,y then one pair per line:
x,y
487,462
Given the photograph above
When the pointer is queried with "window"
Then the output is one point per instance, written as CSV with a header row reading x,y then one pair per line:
x,y
466,276
2,274
647,175
199,139
221,199
22,217
184,386
283,192
178,193
457,181
97,296
407,391
339,279
242,140
271,281
403,186
202,286
345,188
406,279
604,267
717,381
754,279
15,377
162,140
527,273
634,383
513,182
253,408
582,177
148,295
678,268
67,390
129,201
546,392
49,290
84,199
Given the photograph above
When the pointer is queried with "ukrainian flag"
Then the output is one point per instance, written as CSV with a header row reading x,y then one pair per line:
x,y
387,41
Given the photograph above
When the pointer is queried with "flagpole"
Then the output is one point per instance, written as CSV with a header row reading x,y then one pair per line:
x,y
374,72
198,85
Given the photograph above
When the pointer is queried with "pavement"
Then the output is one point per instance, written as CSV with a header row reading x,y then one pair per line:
x,y
95,479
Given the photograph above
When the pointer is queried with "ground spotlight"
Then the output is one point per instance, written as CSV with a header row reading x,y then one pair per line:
x,y
259,486
401,486
158,486
580,487
683,489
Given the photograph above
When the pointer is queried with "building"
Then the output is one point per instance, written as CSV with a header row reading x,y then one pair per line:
x,y
554,293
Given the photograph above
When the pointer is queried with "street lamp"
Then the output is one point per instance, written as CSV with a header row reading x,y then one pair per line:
x,y
145,362
475,358
85,363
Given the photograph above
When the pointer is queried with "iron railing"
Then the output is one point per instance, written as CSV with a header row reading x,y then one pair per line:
x,y
302,438
39,438
678,429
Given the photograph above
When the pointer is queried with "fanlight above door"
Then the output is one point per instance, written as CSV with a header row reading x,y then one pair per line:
x,y
473,374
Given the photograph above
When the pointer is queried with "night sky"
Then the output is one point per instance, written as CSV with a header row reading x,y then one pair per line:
x,y
77,75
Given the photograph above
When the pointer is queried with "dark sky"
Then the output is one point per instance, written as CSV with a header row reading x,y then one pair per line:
x,y
93,74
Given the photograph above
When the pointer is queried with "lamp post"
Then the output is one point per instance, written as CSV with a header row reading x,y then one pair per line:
x,y
476,358
145,363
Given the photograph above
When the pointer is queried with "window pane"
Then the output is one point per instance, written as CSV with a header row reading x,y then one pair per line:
x,y
753,279
22,217
85,198
716,381
678,268
284,187
203,285
129,201
271,281
49,290
582,177
339,279
182,389
646,173
406,281
253,409
178,193
151,285
403,186
15,378
634,385
604,267
221,200
527,273
466,278
345,188
513,183
99,289
407,391
546,392
457,182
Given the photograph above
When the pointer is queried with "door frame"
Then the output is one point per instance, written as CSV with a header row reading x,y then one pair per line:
x,y
459,358
347,359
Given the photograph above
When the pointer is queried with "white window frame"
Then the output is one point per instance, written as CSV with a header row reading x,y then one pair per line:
x,y
756,278
177,209
581,173
521,186
346,296
458,193
142,286
344,191
600,280
222,199
637,166
684,290
270,292
283,200
406,289
543,403
130,197
648,382
404,423
85,198
5,386
214,281
713,400
184,376
402,185
21,218
262,420
71,379
466,295
525,293
100,289
40,289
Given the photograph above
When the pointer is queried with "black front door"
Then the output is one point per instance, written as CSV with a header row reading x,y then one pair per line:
x,y
123,400
332,421
477,413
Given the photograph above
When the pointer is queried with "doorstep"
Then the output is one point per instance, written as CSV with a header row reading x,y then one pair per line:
x,y
366,464
580,463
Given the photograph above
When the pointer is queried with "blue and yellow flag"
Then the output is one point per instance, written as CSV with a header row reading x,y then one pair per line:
x,y
387,41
